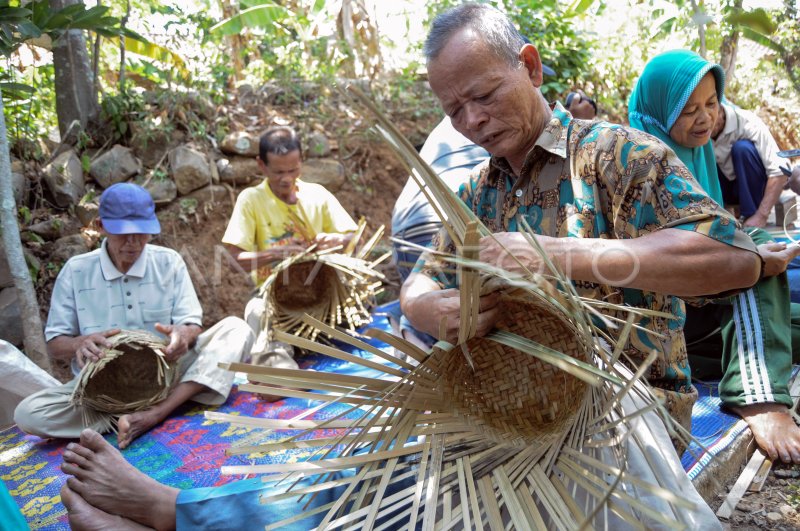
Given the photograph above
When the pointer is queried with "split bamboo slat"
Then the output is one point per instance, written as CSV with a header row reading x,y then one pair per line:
x,y
336,286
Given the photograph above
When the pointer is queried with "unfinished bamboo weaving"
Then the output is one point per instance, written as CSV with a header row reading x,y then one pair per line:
x,y
132,375
532,426
336,286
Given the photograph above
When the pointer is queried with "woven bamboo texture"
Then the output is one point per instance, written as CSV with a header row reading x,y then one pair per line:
x,y
132,375
337,287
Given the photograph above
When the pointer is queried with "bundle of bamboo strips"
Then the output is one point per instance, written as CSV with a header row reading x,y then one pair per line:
x,y
337,286
132,375
529,427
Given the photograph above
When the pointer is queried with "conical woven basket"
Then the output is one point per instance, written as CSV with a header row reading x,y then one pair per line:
x,y
132,375
337,287
510,395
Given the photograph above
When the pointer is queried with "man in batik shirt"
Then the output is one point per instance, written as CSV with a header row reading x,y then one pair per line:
x,y
614,208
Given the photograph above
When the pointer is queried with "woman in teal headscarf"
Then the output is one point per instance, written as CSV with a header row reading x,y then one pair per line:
x,y
677,100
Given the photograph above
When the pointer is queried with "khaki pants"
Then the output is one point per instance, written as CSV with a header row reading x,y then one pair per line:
x,y
266,352
49,413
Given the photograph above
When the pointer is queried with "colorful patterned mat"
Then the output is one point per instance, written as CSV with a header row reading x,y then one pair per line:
x,y
187,450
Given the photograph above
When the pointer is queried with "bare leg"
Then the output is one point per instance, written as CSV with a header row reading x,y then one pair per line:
x,y
105,480
84,517
135,424
774,430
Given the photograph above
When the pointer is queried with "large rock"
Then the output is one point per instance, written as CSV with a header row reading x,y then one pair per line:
x,y
10,317
240,143
163,191
190,169
87,212
318,145
19,183
327,172
67,247
213,193
55,228
115,166
64,179
239,170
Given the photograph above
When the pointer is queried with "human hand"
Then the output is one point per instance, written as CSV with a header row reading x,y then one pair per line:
x,y
326,240
794,180
756,220
776,256
90,346
580,106
430,309
181,338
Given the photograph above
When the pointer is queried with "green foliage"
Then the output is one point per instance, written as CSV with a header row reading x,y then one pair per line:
x,y
121,110
262,16
86,163
24,215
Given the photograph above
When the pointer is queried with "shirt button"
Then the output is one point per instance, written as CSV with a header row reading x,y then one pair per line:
x,y
128,294
130,307
125,280
518,193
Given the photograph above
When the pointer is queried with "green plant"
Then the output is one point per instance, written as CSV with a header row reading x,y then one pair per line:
x,y
188,207
24,214
121,110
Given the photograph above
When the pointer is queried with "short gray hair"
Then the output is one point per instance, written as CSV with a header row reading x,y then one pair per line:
x,y
494,27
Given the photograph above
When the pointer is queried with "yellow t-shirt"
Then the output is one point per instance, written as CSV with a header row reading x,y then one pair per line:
x,y
260,220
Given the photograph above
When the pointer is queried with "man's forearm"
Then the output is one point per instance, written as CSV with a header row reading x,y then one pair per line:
x,y
252,260
772,194
63,347
670,261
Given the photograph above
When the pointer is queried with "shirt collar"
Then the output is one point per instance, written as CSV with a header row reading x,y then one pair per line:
x,y
552,139
730,120
110,271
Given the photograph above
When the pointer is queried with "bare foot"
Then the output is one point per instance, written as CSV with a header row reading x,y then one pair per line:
x,y
774,430
84,517
134,424
266,397
105,480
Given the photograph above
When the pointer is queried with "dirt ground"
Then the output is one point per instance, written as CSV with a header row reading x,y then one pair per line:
x,y
771,508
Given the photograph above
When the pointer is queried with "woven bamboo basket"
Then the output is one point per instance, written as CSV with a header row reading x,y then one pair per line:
x,y
510,395
337,287
132,375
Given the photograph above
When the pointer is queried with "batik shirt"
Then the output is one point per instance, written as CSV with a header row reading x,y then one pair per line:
x,y
601,180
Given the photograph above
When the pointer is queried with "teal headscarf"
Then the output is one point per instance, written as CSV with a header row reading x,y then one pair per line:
x,y
660,95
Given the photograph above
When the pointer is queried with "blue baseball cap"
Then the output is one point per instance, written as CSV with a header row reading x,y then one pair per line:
x,y
126,208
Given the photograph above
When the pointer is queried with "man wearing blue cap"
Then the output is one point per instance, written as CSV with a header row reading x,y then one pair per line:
x,y
129,284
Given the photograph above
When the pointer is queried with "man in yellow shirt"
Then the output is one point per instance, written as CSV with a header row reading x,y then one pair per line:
x,y
262,228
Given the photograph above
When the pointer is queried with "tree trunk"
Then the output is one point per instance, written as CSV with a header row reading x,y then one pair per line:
x,y
236,44
729,48
701,30
76,98
33,340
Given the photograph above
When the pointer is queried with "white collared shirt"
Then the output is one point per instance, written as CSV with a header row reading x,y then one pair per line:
x,y
745,125
90,295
